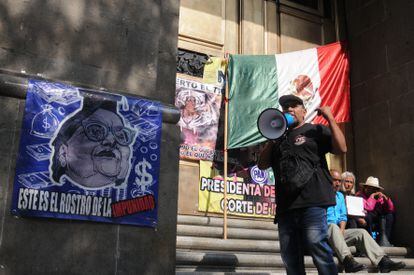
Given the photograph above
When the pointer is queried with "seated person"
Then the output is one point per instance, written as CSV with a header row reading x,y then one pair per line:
x,y
379,210
340,238
348,183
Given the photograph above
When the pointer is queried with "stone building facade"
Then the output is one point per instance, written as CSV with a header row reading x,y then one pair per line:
x,y
254,27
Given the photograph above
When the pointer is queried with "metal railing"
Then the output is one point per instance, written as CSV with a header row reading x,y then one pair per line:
x,y
15,85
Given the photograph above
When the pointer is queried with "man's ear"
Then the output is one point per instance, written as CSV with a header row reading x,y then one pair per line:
x,y
62,154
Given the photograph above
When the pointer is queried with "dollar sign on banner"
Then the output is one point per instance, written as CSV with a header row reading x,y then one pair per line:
x,y
46,125
144,178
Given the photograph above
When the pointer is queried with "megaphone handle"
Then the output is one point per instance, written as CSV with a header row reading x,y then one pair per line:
x,y
265,155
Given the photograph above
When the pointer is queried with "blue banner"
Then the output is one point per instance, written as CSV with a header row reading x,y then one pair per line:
x,y
88,156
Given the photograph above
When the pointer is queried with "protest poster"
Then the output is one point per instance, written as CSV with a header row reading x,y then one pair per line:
x,y
199,105
86,155
355,206
215,70
252,196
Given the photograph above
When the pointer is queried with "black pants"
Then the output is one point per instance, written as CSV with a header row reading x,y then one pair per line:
x,y
373,222
352,222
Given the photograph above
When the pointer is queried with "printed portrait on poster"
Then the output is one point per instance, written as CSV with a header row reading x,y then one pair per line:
x,y
93,147
88,155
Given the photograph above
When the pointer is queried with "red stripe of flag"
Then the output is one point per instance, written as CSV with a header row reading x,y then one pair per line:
x,y
334,87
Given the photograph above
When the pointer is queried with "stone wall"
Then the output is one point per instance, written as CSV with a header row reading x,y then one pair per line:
x,y
381,38
121,46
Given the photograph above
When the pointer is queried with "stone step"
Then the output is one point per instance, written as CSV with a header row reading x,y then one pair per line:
x,y
200,243
187,270
254,234
231,222
248,271
232,232
221,261
253,245
396,251
219,258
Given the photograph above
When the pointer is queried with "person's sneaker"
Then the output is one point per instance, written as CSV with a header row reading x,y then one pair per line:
x,y
351,265
387,265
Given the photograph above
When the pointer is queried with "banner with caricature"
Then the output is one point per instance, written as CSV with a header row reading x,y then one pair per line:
x,y
250,193
199,105
88,156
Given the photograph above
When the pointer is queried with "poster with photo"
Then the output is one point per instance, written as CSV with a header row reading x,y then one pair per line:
x,y
199,106
88,156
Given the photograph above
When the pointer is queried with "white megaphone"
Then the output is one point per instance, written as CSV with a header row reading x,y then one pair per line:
x,y
272,123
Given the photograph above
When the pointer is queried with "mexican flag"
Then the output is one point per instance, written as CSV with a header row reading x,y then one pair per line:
x,y
320,76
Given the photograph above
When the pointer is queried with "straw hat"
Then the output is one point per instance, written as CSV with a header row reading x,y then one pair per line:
x,y
373,182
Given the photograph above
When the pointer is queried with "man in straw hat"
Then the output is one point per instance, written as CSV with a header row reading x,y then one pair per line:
x,y
379,210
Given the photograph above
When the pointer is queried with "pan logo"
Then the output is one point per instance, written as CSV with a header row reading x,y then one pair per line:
x,y
258,176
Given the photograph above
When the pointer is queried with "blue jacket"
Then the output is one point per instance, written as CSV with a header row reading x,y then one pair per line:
x,y
337,213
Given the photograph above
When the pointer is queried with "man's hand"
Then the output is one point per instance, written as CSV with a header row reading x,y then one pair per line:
x,y
264,160
338,138
382,195
342,225
377,195
325,111
362,222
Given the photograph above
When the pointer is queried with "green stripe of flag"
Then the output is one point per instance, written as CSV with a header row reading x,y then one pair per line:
x,y
252,89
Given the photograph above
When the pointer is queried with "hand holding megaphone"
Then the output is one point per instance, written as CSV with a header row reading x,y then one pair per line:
x,y
272,123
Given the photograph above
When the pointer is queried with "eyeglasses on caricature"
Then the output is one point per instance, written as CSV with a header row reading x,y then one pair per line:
x,y
98,131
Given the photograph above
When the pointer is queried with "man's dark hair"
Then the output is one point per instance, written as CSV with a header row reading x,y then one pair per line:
x,y
91,103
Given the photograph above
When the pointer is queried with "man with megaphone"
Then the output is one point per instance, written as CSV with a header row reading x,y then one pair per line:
x,y
303,185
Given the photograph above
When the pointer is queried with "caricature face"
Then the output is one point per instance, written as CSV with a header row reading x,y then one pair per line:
x,y
98,152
